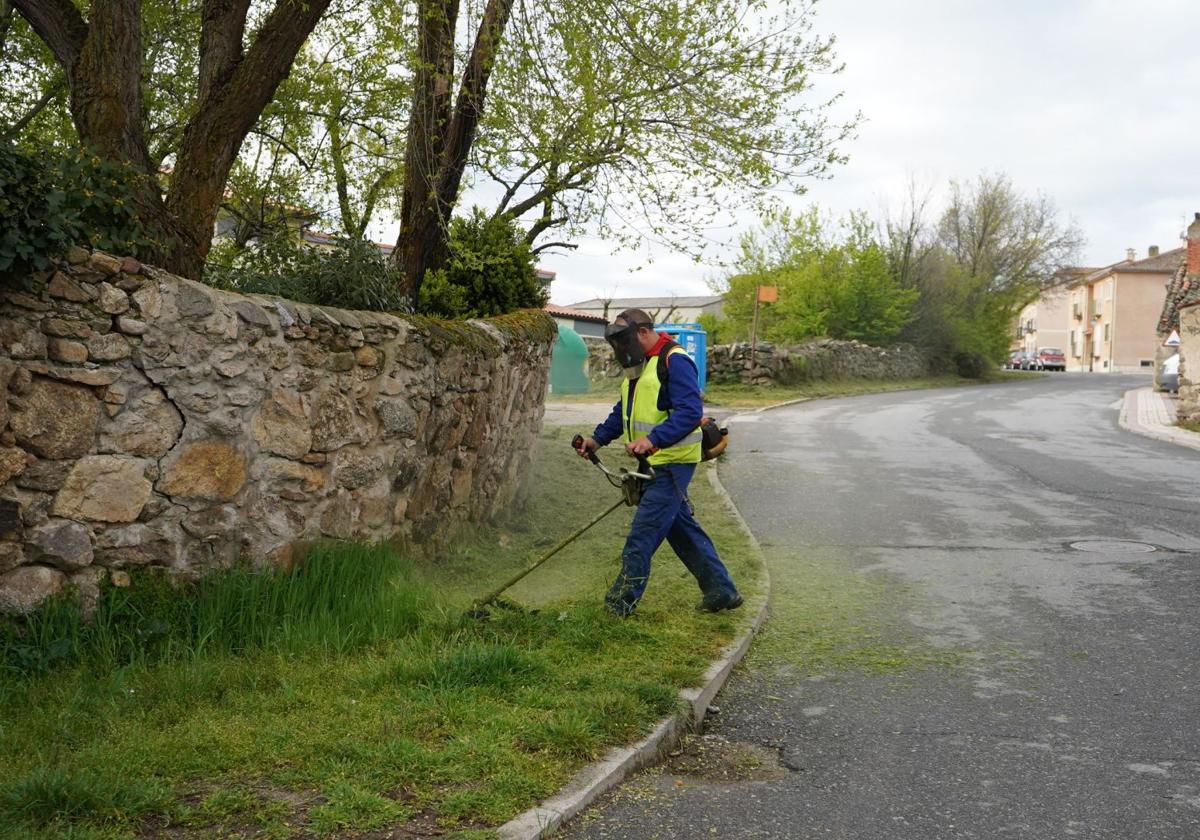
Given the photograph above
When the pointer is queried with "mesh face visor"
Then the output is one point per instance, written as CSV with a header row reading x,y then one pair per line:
x,y
623,339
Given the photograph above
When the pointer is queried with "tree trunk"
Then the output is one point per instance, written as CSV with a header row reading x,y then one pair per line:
x,y
439,142
102,60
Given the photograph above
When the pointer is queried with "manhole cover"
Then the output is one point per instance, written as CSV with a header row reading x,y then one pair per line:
x,y
1112,547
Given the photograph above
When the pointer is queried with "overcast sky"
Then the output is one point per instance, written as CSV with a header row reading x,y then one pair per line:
x,y
1094,102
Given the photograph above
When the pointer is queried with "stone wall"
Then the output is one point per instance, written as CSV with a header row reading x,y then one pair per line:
x,y
1188,406
149,421
821,360
824,359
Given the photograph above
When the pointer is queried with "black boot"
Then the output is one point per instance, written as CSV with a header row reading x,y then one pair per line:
x,y
719,599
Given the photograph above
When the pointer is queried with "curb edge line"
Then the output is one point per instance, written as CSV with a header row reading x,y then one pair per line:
x,y
620,763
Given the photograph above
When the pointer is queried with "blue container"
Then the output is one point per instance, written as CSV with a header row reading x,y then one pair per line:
x,y
693,339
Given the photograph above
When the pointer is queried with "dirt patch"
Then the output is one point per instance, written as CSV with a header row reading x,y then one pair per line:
x,y
717,760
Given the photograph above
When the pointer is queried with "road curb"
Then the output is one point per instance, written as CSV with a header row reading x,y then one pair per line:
x,y
1128,420
619,764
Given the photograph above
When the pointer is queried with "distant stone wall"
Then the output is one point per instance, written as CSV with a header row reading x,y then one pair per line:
x,y
825,359
815,361
150,421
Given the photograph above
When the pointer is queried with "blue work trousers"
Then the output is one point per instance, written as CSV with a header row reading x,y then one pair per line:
x,y
666,513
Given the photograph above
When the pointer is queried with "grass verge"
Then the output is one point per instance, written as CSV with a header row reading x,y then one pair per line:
x,y
351,698
1189,425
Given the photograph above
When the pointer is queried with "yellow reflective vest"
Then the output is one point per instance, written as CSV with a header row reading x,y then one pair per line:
x,y
646,415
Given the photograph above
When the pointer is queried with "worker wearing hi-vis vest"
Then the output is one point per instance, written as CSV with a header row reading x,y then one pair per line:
x,y
660,422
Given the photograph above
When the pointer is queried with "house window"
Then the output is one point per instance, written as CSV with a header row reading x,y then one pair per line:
x,y
1108,290
1107,332
1074,343
1146,362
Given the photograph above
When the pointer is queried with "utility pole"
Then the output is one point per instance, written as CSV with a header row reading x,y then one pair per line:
x,y
762,294
754,331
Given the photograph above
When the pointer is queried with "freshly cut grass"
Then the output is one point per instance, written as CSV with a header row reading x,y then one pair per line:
x,y
351,696
757,396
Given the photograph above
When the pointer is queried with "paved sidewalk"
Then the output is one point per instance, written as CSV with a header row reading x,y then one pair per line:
x,y
1151,414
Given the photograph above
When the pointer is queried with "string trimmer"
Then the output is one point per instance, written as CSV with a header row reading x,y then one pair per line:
x,y
630,484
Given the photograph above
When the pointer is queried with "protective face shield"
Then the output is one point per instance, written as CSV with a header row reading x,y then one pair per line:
x,y
623,338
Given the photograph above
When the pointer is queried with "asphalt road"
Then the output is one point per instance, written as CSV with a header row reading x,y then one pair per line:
x,y
1074,710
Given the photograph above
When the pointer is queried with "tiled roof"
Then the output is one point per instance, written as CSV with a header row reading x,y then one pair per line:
x,y
1164,263
574,314
617,304
1183,290
317,237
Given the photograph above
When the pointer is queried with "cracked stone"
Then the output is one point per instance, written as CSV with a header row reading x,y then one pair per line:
x,y
148,428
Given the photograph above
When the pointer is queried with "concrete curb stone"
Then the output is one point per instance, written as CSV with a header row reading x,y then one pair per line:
x,y
620,763
1136,417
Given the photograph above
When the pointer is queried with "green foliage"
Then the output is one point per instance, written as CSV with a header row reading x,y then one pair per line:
x,y
352,274
50,202
653,121
836,284
490,272
336,600
53,794
984,258
281,725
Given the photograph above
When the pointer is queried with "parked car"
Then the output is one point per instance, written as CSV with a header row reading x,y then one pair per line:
x,y
1052,358
1030,361
1013,362
1168,379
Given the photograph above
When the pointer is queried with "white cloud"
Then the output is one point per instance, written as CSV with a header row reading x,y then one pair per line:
x,y
1089,101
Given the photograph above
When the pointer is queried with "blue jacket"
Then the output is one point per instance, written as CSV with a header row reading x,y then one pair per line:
x,y
686,404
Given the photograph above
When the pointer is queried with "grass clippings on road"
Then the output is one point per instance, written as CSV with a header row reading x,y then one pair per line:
x,y
351,697
760,396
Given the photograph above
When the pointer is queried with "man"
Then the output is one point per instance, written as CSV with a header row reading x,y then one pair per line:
x,y
660,421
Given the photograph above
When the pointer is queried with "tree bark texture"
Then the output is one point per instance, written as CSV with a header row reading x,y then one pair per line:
x,y
102,60
440,138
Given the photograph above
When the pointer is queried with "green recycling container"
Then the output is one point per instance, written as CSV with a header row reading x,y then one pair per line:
x,y
568,362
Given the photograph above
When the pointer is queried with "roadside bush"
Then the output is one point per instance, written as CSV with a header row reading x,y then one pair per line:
x,y
49,203
353,274
490,272
832,282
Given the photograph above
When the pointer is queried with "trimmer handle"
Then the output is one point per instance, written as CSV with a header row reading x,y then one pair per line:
x,y
577,444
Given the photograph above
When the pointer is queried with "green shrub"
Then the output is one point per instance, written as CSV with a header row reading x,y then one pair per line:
x,y
490,272
353,274
49,203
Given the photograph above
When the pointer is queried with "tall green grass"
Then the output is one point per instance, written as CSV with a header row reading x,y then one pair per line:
x,y
340,598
